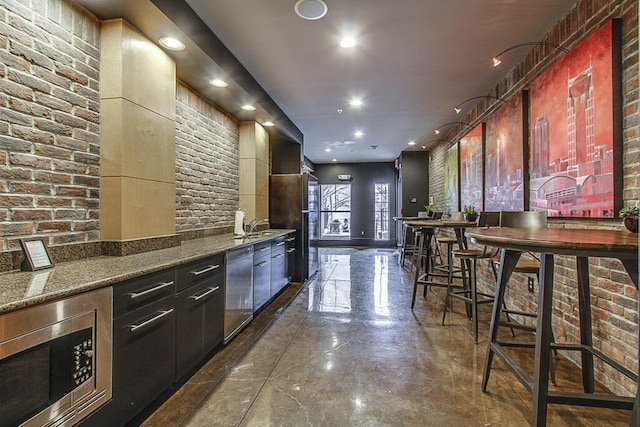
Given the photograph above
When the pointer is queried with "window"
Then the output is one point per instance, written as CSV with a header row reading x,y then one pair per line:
x,y
381,208
335,211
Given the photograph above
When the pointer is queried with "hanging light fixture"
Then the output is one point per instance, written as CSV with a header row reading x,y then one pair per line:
x,y
457,108
310,10
497,61
450,123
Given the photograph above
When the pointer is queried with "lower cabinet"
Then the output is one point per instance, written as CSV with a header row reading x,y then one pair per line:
x,y
261,274
144,347
200,311
278,265
290,253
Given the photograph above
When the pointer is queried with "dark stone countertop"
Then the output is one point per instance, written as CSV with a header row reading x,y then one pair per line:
x,y
24,289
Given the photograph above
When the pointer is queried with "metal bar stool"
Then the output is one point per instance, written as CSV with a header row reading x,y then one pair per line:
x,y
423,273
469,292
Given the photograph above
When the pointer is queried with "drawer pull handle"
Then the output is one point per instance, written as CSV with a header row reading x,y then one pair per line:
x,y
280,244
151,321
278,256
290,239
204,294
264,249
262,264
291,250
205,270
162,285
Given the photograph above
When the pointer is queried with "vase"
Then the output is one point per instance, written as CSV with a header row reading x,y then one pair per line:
x,y
631,223
470,217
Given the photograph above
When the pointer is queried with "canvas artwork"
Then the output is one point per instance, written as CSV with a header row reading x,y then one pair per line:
x,y
504,153
471,190
572,132
451,179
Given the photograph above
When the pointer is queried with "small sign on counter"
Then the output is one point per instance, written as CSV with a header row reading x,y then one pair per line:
x,y
36,254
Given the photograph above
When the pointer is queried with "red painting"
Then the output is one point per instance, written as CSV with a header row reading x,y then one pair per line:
x,y
471,189
572,132
504,158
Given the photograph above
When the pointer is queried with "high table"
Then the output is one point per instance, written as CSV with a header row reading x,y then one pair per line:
x,y
549,242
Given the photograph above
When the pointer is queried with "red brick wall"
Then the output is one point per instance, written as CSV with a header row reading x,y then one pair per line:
x,y
49,123
614,298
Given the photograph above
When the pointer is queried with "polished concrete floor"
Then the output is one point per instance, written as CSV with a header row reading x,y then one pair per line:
x,y
346,350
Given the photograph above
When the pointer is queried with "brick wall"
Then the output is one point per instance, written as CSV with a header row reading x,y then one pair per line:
x,y
49,123
207,165
614,298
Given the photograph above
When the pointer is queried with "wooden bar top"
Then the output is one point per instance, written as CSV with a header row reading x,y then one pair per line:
x,y
604,243
439,223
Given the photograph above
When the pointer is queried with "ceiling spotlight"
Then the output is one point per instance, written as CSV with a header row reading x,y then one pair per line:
x,y
334,160
356,102
218,83
310,9
412,143
268,124
358,134
497,61
457,108
450,123
327,150
348,42
248,107
171,43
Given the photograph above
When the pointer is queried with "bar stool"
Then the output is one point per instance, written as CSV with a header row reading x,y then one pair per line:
x,y
423,273
469,292
409,243
529,266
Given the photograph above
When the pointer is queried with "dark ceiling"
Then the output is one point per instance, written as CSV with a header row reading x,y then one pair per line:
x,y
415,60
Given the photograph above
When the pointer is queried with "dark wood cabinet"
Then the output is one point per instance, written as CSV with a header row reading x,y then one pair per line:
x,y
144,347
261,274
278,265
200,311
290,253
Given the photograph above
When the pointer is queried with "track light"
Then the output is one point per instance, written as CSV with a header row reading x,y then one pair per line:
x,y
497,61
450,123
457,108
428,143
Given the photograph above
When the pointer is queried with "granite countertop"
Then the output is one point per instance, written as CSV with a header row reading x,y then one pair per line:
x,y
23,289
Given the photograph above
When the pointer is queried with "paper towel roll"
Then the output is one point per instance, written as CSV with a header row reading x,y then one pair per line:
x,y
238,230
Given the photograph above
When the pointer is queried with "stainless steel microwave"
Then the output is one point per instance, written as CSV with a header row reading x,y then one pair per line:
x,y
55,360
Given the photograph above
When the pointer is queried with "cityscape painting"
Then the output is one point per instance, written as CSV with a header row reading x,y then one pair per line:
x,y
572,131
451,179
471,191
504,164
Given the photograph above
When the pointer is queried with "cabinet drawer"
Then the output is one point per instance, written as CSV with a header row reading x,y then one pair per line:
x,y
137,293
261,250
192,273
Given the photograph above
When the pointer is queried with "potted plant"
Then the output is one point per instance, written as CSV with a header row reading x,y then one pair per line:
x,y
429,210
470,213
629,215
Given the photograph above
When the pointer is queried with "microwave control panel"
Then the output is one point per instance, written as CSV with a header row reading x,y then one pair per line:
x,y
82,356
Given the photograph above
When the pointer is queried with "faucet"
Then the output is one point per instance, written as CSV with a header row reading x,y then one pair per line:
x,y
255,222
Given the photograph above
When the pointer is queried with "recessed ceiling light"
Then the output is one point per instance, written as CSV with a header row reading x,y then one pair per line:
x,y
327,150
356,102
310,9
248,107
412,143
218,83
348,42
334,160
171,43
268,123
358,134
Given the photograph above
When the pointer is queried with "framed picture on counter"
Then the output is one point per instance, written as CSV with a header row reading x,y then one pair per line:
x,y
36,254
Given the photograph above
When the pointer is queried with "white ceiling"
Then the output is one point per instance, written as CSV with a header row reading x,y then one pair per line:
x,y
416,60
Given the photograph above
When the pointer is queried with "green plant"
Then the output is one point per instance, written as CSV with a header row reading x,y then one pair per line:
x,y
470,209
428,208
628,211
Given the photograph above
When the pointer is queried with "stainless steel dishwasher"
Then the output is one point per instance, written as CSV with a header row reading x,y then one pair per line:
x,y
238,310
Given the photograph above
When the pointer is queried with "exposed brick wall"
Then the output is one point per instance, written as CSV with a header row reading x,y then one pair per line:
x,y
207,164
614,298
49,123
